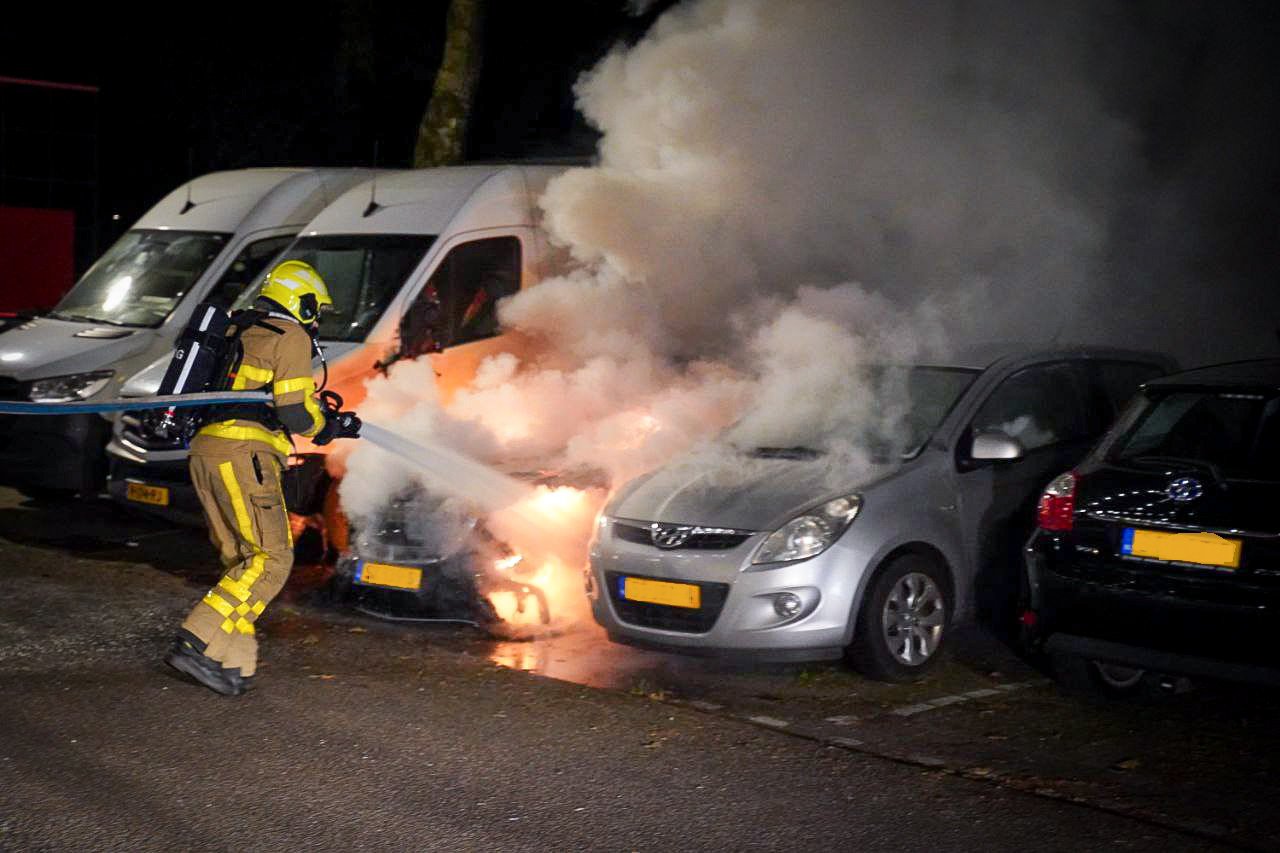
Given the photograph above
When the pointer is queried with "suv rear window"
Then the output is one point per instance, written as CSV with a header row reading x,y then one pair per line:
x,y
1237,432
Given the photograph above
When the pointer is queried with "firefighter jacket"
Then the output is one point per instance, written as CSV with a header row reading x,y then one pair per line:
x,y
277,355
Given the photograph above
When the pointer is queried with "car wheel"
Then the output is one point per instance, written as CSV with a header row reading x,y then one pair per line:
x,y
903,622
1100,679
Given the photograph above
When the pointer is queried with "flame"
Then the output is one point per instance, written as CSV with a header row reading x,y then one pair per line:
x,y
558,503
548,532
506,563
517,601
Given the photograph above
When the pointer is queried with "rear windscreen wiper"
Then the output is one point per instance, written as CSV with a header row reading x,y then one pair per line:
x,y
1180,462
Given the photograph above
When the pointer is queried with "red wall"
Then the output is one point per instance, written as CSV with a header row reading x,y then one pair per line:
x,y
36,257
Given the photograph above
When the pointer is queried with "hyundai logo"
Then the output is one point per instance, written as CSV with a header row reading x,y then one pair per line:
x,y
1185,489
669,535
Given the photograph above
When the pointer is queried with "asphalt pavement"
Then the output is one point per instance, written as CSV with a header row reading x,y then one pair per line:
x,y
363,735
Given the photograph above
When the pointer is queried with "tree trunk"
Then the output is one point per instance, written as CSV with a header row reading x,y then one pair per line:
x,y
443,129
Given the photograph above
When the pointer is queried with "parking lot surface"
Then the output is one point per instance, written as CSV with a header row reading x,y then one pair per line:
x,y
388,736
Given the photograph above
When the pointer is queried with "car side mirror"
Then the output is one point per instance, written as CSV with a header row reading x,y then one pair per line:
x,y
995,446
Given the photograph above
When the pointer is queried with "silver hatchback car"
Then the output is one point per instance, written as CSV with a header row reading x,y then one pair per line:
x,y
782,558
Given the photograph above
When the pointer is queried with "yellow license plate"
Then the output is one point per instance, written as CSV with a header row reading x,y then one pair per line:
x,y
1205,549
381,574
662,592
144,494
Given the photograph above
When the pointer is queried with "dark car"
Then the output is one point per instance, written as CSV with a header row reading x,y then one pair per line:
x,y
1160,552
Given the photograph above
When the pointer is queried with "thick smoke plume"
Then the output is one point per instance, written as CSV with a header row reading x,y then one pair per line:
x,y
786,193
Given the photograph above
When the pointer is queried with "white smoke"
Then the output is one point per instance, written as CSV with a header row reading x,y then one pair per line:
x,y
787,193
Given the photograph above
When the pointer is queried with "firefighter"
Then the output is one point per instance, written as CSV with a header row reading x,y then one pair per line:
x,y
236,464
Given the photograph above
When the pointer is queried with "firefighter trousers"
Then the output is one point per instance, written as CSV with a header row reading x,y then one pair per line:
x,y
238,483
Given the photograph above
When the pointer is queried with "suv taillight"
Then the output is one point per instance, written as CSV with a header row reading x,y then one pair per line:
x,y
1058,503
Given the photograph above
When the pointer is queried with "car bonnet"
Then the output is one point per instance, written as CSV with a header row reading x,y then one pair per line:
x,y
743,493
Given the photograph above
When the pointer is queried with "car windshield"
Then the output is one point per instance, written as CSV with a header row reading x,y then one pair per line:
x,y
142,278
363,274
917,398
1234,434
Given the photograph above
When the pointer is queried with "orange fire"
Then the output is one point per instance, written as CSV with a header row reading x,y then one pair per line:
x,y
549,533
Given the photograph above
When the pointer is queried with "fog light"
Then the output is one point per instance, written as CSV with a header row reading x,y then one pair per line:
x,y
787,604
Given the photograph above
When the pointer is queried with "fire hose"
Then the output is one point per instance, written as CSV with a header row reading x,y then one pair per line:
x,y
126,404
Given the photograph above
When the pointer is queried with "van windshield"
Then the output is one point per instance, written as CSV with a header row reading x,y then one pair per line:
x,y
363,273
142,278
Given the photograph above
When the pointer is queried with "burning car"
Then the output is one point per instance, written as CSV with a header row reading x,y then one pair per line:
x,y
428,557
786,553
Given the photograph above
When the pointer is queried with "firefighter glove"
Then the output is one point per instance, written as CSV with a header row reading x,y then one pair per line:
x,y
338,425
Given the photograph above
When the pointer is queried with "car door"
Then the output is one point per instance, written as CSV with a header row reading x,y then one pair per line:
x,y
1048,410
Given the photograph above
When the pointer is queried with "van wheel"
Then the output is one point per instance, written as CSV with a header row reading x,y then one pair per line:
x,y
903,622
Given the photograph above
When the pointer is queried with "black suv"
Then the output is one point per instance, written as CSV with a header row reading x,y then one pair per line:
x,y
1160,552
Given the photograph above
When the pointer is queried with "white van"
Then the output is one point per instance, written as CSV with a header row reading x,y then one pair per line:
x,y
204,241
390,250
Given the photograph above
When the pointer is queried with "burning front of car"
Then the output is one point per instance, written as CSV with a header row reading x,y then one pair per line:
x,y
424,557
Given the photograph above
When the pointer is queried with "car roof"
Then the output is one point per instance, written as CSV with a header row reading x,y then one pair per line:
x,y
1260,373
1013,354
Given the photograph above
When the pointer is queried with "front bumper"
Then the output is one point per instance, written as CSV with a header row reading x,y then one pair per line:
x,y
447,591
736,616
182,504
62,452
1131,614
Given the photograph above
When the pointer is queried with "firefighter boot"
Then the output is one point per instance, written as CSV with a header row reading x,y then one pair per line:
x,y
187,658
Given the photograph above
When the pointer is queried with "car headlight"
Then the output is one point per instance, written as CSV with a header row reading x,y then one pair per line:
x,y
63,389
810,533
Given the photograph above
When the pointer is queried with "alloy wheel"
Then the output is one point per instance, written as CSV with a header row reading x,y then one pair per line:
x,y
914,618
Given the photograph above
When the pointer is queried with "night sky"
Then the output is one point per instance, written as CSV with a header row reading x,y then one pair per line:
x,y
232,85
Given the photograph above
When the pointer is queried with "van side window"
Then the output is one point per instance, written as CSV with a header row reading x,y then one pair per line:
x,y
1039,406
459,303
248,267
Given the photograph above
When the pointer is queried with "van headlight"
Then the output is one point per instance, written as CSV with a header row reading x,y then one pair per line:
x,y
810,533
64,389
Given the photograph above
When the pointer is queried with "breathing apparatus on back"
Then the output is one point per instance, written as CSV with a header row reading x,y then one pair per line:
x,y
209,352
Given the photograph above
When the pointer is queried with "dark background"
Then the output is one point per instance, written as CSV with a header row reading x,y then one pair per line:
x,y
187,90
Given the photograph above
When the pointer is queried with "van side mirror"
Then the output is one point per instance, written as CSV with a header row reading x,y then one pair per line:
x,y
421,332
995,445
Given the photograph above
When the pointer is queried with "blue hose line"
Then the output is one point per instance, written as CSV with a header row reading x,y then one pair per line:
x,y
129,404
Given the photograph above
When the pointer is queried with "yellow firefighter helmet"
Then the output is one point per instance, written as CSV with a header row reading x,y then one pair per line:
x,y
297,288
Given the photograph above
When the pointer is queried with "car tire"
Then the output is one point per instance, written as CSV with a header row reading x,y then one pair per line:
x,y
903,622
1102,680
